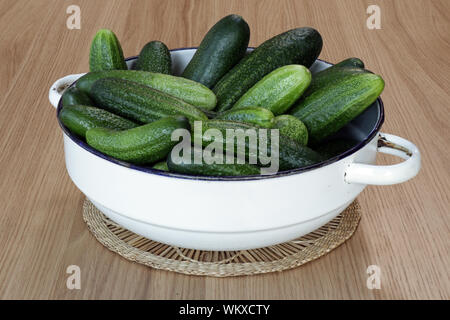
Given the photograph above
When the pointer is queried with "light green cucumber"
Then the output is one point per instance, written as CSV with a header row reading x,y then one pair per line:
x,y
278,90
331,107
292,127
162,165
106,52
187,90
297,46
257,116
145,144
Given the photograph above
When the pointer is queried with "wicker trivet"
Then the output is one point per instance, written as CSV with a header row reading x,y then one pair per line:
x,y
222,263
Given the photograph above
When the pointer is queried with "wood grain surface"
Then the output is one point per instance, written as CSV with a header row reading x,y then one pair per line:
x,y
404,229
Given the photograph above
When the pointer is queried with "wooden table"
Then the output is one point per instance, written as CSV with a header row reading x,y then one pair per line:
x,y
404,229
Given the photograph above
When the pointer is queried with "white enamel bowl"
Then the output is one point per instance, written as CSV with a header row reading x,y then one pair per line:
x,y
235,213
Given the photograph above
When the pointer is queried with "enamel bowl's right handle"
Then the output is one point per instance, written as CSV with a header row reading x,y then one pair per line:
x,y
385,175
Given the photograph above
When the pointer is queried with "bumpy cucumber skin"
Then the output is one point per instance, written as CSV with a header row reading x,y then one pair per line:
x,y
329,76
221,48
257,116
222,125
213,169
331,107
292,154
278,90
145,144
106,52
292,127
79,119
350,62
161,166
73,96
297,46
140,103
154,57
187,90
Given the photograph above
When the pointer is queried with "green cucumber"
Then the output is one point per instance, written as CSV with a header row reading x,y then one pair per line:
x,y
222,125
257,116
73,96
278,90
296,46
331,107
79,119
291,127
187,90
209,113
213,169
145,144
292,154
140,103
329,76
350,62
161,166
221,48
154,57
106,52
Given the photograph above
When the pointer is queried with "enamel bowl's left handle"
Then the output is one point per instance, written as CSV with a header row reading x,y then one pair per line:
x,y
57,89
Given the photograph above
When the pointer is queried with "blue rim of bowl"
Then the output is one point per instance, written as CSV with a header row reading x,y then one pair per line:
x,y
150,170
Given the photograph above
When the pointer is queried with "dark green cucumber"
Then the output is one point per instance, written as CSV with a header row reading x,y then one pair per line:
x,y
79,119
209,113
330,76
187,90
154,57
221,48
106,52
161,166
292,154
350,62
331,107
140,103
257,116
190,167
291,127
73,96
297,46
145,144
278,90
332,148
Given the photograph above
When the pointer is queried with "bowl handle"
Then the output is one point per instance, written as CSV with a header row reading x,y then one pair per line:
x,y
57,89
385,175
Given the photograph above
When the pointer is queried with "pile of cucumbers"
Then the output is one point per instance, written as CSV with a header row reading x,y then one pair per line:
x,y
131,114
